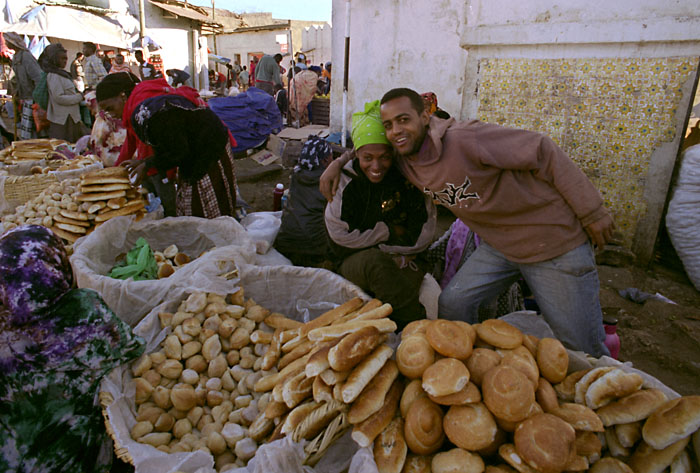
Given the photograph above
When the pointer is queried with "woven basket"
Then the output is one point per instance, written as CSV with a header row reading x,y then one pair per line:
x,y
22,189
122,453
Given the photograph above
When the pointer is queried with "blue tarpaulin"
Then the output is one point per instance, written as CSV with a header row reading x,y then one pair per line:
x,y
250,116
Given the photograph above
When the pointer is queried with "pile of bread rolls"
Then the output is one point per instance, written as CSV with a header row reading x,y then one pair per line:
x,y
73,208
333,370
488,398
170,260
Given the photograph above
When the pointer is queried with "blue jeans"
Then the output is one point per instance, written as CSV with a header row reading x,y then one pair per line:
x,y
566,289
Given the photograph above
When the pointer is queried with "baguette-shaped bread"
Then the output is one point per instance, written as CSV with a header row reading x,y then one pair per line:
x,y
390,448
275,409
268,382
297,389
321,391
366,431
380,312
364,372
297,353
332,377
273,352
278,390
318,359
372,397
337,331
276,321
353,348
373,304
297,415
328,317
293,343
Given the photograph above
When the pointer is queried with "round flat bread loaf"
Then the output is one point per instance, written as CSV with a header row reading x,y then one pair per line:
x,y
552,359
545,442
480,362
423,429
499,333
449,339
471,427
413,391
414,355
579,416
469,394
457,461
508,393
417,326
610,465
417,464
546,396
444,377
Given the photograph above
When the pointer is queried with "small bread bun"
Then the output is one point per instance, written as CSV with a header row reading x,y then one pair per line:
x,y
647,459
629,434
500,334
457,461
499,469
165,270
610,465
492,449
445,377
417,326
508,453
469,394
414,355
632,408
611,386
545,442
413,391
673,421
423,430
552,359
509,426
449,339
580,417
390,448
480,362
523,361
585,381
508,393
471,427
546,396
181,259
587,444
566,390
417,464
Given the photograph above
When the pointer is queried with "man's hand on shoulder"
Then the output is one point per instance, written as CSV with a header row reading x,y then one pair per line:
x,y
328,183
601,231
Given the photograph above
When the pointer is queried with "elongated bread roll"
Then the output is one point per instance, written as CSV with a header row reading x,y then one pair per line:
x,y
364,372
673,421
647,459
372,397
317,420
390,448
276,320
301,350
321,391
318,359
332,377
268,382
297,389
273,352
611,386
297,415
354,348
328,317
632,408
365,432
323,334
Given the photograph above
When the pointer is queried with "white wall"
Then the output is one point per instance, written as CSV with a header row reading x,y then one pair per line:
x,y
251,42
173,35
317,40
398,43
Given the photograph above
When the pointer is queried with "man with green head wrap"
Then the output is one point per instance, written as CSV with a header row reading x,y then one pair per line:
x,y
379,222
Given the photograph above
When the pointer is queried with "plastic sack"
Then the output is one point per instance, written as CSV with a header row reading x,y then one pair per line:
x,y
225,241
299,293
683,218
263,228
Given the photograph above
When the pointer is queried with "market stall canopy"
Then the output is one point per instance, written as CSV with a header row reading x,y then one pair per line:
x,y
76,24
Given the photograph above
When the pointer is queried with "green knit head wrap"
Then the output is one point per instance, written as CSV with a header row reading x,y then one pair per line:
x,y
367,127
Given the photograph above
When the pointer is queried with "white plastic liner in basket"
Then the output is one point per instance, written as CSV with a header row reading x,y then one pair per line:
x,y
297,292
226,242
76,173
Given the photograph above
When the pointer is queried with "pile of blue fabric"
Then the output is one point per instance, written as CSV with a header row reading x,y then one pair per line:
x,y
250,116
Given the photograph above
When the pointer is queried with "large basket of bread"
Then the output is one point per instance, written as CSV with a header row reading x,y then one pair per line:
x,y
225,374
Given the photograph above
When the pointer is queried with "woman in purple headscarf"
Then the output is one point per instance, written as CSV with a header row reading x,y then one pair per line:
x,y
56,344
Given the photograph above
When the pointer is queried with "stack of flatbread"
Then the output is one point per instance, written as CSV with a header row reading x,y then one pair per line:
x,y
30,150
104,194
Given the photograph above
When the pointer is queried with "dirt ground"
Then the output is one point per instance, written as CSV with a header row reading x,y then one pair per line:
x,y
659,338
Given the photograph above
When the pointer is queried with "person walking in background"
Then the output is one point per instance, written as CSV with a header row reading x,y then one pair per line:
x,y
253,65
302,89
77,72
243,79
63,111
147,71
178,77
267,73
106,60
93,67
119,65
28,73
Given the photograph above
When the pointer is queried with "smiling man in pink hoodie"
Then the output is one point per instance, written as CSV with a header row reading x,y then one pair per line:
x,y
533,208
